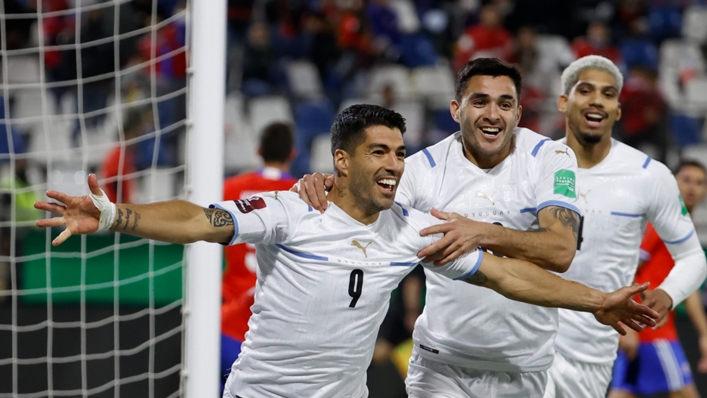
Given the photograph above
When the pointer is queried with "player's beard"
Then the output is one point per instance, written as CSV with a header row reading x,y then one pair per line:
x,y
365,194
585,138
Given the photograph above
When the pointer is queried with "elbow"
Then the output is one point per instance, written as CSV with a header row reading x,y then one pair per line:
x,y
562,259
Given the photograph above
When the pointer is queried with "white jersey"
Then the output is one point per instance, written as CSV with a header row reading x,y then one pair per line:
x,y
323,287
617,197
466,325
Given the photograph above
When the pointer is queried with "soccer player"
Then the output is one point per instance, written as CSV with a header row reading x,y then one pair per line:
x,y
515,191
324,280
653,361
277,152
620,189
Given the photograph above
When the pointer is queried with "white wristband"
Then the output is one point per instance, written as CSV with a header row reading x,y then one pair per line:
x,y
106,208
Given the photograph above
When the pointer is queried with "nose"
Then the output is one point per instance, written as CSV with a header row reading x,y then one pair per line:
x,y
491,113
597,99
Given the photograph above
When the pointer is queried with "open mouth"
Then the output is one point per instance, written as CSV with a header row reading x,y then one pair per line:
x,y
490,131
387,184
594,119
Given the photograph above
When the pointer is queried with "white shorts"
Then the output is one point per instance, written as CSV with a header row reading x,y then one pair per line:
x,y
574,379
432,379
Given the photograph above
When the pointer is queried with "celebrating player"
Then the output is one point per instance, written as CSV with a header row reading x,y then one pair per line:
x,y
653,361
324,280
621,189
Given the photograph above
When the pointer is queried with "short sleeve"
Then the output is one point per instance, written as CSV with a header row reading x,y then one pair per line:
x,y
259,219
406,190
557,177
667,211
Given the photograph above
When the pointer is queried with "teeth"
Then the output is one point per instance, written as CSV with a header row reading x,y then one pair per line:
x,y
387,182
491,130
594,116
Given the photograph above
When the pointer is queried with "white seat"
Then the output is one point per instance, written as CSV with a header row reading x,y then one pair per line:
x,y
304,79
696,93
156,185
321,159
434,83
23,69
408,22
694,24
555,47
265,110
240,141
395,76
414,114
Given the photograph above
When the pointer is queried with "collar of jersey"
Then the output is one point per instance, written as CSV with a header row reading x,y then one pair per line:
x,y
338,214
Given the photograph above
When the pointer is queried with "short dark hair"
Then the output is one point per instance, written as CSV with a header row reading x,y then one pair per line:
x,y
487,67
276,142
348,129
690,163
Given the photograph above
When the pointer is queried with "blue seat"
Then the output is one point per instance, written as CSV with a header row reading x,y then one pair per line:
x,y
639,52
312,118
685,129
665,22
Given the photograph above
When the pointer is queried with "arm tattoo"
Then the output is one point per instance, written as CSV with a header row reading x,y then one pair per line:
x,y
218,218
567,217
477,279
128,212
119,220
136,218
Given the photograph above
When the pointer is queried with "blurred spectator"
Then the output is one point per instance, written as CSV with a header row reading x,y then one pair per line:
x,y
119,166
239,16
486,39
17,30
387,36
321,39
644,111
276,150
628,12
258,59
638,49
596,42
355,40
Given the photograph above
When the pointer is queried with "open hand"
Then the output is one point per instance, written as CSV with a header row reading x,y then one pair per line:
x,y
78,213
620,307
461,235
312,189
659,301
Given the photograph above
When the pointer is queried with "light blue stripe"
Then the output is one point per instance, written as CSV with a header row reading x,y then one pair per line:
x,y
476,267
537,147
617,213
529,210
429,157
397,264
310,208
405,212
235,222
560,204
648,160
303,255
675,242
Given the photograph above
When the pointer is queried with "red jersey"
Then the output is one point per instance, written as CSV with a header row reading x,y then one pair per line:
x,y
239,278
657,266
111,168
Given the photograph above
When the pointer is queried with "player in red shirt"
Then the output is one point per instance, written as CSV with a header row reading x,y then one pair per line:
x,y
653,361
276,150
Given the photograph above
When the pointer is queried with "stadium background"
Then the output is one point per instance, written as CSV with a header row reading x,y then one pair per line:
x,y
301,61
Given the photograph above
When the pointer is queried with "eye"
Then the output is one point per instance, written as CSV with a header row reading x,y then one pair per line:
x,y
478,103
506,105
401,155
609,94
378,152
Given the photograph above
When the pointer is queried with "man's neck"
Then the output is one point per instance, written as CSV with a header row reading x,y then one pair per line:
x,y
341,196
588,155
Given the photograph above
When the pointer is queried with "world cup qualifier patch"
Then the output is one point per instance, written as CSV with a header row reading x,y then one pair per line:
x,y
565,184
250,204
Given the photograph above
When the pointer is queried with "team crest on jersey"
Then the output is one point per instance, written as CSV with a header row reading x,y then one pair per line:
x,y
565,183
253,203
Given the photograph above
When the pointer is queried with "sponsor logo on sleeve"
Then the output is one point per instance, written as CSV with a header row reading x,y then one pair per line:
x,y
253,203
565,183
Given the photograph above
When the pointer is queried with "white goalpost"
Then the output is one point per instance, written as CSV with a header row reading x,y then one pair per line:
x,y
132,90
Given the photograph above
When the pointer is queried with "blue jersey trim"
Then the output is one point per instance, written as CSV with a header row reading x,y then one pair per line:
x,y
405,212
398,264
310,208
528,210
618,213
560,204
476,267
648,160
303,255
235,222
429,157
675,242
538,146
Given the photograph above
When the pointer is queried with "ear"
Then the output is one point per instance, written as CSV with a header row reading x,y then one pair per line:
x,y
520,114
618,112
342,161
454,108
562,103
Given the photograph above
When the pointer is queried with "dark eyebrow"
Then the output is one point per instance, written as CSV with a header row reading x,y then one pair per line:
x,y
483,96
385,147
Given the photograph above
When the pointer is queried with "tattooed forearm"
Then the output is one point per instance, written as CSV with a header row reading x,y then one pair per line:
x,y
477,279
136,218
218,218
567,217
119,219
128,212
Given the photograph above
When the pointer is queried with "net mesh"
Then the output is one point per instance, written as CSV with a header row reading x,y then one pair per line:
x,y
90,86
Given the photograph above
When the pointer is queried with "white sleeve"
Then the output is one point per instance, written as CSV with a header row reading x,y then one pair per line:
x,y
258,219
557,177
461,268
405,193
673,224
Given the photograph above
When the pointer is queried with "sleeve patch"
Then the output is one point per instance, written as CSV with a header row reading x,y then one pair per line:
x,y
565,183
245,206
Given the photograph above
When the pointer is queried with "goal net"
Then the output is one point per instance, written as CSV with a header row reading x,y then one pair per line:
x,y
91,86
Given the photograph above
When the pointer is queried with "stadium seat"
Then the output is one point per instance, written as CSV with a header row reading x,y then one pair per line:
x,y
694,24
321,159
639,52
417,50
312,120
434,84
23,69
408,22
414,114
265,110
696,94
303,79
394,75
664,22
685,129
156,185
555,47
444,121
241,141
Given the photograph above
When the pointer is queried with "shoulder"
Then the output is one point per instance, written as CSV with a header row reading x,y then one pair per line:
x,y
434,155
631,159
528,141
413,217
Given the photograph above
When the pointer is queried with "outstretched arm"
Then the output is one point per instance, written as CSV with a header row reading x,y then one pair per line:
x,y
175,221
522,281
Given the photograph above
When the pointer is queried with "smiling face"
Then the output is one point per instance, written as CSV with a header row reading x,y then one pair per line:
x,y
692,183
592,106
487,113
375,168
